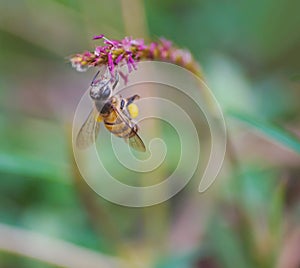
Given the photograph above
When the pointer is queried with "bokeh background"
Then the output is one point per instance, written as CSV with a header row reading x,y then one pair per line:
x,y
250,57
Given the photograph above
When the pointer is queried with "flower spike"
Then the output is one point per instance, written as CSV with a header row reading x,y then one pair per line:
x,y
130,51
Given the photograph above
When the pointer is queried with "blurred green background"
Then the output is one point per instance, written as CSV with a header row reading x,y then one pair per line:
x,y
250,56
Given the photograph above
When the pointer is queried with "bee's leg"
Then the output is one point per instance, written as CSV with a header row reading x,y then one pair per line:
x,y
117,78
132,99
94,79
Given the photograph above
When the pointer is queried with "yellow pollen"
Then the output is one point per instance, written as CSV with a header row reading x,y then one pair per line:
x,y
99,119
133,110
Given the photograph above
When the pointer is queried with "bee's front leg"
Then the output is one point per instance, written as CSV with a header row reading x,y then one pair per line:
x,y
117,79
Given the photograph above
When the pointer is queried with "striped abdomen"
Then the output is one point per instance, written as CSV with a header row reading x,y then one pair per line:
x,y
119,127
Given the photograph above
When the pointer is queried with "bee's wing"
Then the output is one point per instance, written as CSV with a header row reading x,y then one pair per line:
x,y
89,131
135,141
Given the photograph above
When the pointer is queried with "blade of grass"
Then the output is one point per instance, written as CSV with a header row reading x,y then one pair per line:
x,y
26,165
51,250
272,131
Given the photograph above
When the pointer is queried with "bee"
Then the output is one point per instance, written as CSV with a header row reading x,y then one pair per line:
x,y
117,114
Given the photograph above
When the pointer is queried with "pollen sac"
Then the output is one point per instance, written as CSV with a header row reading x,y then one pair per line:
x,y
99,119
133,110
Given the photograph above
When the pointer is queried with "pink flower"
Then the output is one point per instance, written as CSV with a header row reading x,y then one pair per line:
x,y
111,65
98,36
129,51
119,58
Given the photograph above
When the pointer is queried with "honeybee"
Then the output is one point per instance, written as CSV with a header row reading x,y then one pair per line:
x,y
117,114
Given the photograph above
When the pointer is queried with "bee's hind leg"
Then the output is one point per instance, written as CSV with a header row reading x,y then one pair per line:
x,y
132,99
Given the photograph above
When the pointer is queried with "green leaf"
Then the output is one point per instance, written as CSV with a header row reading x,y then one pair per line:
x,y
274,132
184,260
33,167
227,245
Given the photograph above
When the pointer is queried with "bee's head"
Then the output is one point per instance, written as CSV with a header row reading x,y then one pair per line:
x,y
100,90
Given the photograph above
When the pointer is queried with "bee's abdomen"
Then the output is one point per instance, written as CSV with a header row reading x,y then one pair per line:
x,y
118,128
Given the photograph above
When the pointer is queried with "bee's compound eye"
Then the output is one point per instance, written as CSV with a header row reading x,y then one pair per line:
x,y
105,92
133,110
